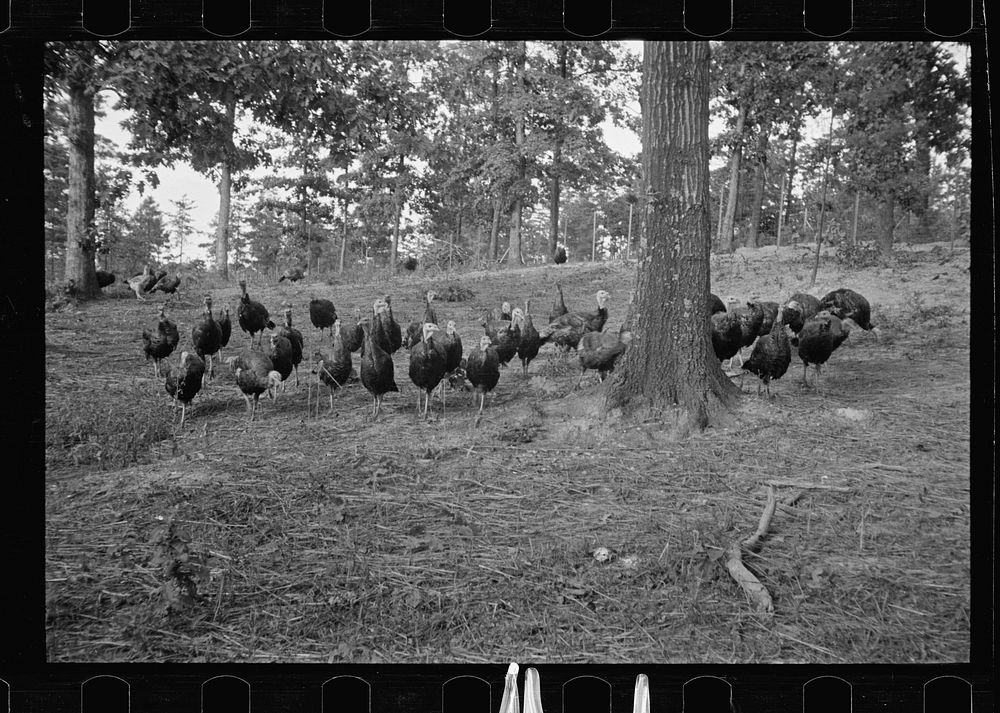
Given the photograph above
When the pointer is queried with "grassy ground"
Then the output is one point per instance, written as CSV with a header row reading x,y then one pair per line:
x,y
338,539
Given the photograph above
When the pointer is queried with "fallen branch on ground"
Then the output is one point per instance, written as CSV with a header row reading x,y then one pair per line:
x,y
755,591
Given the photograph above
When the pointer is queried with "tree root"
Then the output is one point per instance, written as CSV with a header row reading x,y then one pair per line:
x,y
733,560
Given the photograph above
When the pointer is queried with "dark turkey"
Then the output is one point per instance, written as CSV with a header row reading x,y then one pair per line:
x,y
295,337
727,335
255,375
334,368
559,306
806,307
322,313
751,317
452,346
770,310
252,316
160,344
819,338
184,385
167,284
715,305
508,339
567,330
282,356
772,354
376,367
559,256
385,329
482,369
105,278
352,334
845,303
206,335
428,364
226,325
292,274
600,351
530,342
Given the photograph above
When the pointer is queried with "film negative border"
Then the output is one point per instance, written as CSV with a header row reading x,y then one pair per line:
x,y
26,683
207,19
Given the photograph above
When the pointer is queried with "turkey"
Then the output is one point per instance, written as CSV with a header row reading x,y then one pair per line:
x,y
185,385
206,336
415,330
428,364
559,306
770,310
567,330
105,278
295,337
482,369
715,305
255,375
226,325
600,351
820,336
352,334
806,307
160,344
508,339
335,368
376,367
282,356
322,313
751,317
292,274
559,256
142,282
772,354
727,335
452,346
385,330
530,342
167,285
845,303
252,316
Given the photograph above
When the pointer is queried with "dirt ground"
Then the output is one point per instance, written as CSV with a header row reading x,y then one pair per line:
x,y
332,538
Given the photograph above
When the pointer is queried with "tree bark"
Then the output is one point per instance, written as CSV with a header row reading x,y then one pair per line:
x,y
495,228
922,206
81,246
822,208
729,222
397,196
670,366
514,255
343,241
886,223
854,225
781,209
758,189
791,176
555,189
225,191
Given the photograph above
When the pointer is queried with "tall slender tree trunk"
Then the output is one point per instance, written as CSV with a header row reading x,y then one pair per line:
x,y
718,223
886,223
781,209
791,176
81,246
225,191
343,241
729,222
822,208
670,366
495,228
554,190
922,206
854,223
397,196
593,240
758,189
514,255
628,237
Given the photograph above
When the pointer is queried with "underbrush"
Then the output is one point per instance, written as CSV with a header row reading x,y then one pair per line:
x,y
81,430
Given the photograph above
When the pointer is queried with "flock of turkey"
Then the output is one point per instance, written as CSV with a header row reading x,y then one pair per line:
x,y
768,330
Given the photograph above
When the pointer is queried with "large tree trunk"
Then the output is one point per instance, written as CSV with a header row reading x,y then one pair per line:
x,y
886,223
514,256
758,189
554,191
922,206
80,244
729,222
670,364
225,192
